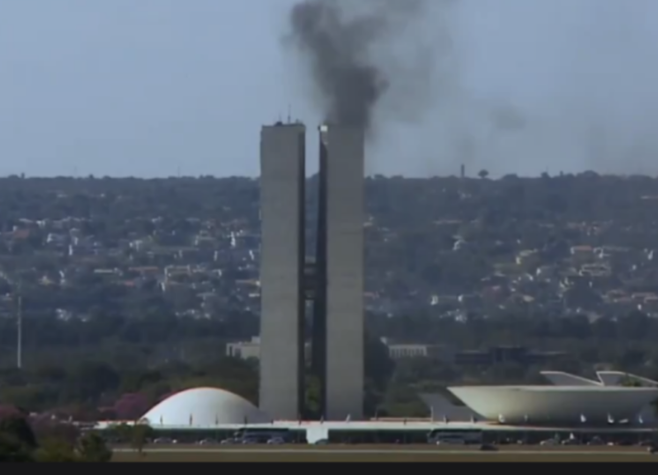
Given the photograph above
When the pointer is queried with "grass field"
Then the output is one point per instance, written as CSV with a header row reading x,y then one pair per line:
x,y
382,454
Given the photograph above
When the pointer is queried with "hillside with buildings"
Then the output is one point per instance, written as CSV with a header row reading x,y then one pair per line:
x,y
466,280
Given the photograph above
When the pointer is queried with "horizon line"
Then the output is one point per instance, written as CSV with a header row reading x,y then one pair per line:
x,y
182,176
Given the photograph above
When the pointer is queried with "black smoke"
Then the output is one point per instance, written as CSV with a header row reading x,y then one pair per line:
x,y
339,41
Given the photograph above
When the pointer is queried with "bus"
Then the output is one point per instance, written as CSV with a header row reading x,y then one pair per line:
x,y
455,437
262,436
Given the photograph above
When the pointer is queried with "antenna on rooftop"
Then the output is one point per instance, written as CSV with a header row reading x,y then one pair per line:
x,y
289,114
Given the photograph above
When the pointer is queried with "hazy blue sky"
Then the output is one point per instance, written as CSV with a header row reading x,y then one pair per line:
x,y
151,87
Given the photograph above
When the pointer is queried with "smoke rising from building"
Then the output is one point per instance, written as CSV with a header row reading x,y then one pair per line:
x,y
516,87
342,42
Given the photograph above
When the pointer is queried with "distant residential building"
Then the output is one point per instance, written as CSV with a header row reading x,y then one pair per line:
x,y
245,349
506,354
251,349
398,351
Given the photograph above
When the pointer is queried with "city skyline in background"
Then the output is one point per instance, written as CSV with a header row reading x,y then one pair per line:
x,y
162,88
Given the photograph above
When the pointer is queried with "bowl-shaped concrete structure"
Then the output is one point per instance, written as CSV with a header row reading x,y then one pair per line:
x,y
569,405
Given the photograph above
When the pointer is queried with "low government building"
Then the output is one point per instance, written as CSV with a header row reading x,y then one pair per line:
x,y
571,404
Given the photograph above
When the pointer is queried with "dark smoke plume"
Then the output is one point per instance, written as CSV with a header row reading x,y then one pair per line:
x,y
339,39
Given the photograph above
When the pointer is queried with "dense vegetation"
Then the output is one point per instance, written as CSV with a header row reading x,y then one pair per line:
x,y
47,441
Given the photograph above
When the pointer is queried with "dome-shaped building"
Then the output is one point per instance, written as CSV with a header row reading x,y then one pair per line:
x,y
205,407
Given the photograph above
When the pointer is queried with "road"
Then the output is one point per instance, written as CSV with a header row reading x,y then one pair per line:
x,y
378,453
381,451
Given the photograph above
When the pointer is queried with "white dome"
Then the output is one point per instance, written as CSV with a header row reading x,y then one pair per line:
x,y
205,407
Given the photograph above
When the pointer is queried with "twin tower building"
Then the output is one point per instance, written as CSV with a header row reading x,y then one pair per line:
x,y
305,297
